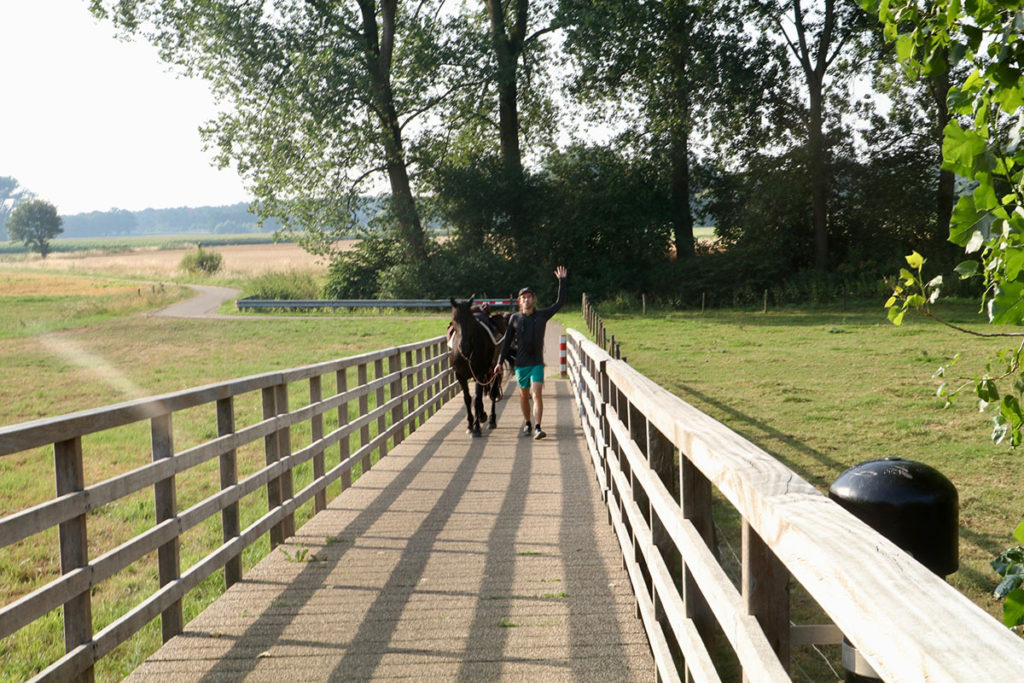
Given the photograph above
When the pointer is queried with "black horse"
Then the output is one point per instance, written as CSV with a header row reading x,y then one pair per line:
x,y
473,346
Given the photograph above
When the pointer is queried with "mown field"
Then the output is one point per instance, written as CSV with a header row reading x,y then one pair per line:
x,y
821,389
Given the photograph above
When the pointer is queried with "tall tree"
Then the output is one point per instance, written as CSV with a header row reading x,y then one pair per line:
x,y
319,94
35,223
826,43
679,63
513,45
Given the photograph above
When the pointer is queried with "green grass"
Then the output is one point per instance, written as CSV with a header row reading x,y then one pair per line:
x,y
825,389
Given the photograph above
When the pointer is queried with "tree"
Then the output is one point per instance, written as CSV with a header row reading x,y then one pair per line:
x,y
677,63
35,223
824,39
321,94
10,196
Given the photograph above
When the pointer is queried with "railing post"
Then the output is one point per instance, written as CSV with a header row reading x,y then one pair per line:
x,y
271,446
316,426
382,420
364,408
168,555
344,448
395,367
695,501
74,546
230,524
765,585
420,378
410,382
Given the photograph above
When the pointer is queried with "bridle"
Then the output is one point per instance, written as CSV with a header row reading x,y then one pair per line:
x,y
469,356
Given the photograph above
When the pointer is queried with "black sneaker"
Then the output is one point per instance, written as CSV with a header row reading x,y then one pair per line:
x,y
538,433
526,430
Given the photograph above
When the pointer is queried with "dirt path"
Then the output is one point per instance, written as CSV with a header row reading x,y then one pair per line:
x,y
203,306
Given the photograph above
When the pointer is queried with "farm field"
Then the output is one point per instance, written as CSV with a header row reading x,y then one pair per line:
x,y
154,262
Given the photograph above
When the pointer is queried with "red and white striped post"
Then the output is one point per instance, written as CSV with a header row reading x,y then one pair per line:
x,y
562,364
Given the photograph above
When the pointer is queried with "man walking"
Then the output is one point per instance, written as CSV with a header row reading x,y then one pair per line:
x,y
527,329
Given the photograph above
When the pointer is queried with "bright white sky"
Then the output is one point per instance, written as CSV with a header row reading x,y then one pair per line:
x,y
90,123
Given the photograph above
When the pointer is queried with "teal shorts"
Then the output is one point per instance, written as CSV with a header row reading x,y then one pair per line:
x,y
529,373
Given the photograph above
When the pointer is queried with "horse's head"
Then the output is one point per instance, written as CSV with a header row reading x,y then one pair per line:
x,y
462,311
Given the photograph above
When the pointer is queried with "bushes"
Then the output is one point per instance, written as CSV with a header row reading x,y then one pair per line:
x,y
291,285
201,261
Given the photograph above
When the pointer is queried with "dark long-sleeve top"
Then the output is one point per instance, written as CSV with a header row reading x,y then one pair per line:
x,y
528,331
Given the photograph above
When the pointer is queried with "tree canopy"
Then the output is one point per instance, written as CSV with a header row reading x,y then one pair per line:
x,y
35,223
471,117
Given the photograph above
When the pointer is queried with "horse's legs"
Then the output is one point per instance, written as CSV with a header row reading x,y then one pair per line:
x,y
478,403
495,395
472,427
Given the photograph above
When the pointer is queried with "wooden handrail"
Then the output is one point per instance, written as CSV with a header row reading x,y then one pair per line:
x,y
408,384
908,623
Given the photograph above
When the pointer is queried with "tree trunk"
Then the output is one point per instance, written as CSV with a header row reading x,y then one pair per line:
x,y
682,216
379,58
945,196
508,45
817,168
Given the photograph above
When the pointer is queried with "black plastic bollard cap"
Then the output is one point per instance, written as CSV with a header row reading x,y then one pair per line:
x,y
910,503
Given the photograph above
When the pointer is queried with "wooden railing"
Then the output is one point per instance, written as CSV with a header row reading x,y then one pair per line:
x,y
414,383
906,622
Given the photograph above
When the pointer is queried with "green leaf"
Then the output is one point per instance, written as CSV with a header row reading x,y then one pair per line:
x,y
966,269
890,302
1007,304
1013,609
896,316
961,149
1013,262
915,260
1018,533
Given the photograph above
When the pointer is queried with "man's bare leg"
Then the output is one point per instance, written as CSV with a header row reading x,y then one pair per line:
x,y
538,402
524,403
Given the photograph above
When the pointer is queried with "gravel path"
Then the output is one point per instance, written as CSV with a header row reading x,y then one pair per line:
x,y
203,306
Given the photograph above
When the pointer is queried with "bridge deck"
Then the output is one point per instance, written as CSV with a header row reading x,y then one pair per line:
x,y
453,558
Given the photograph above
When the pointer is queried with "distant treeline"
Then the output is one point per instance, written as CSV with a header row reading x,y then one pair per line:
x,y
211,220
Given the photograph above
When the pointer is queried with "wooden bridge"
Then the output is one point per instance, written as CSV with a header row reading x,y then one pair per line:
x,y
591,555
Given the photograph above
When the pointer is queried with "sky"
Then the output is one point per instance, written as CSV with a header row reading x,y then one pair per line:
x,y
89,122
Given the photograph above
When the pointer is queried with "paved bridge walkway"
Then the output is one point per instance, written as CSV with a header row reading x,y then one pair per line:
x,y
452,559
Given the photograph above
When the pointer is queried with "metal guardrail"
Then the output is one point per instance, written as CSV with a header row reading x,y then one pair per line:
x,y
250,303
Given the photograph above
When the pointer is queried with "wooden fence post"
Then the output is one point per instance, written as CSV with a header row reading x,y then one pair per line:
x,y
344,446
695,500
410,403
316,426
420,378
230,524
74,546
382,421
765,585
364,408
394,367
271,445
168,555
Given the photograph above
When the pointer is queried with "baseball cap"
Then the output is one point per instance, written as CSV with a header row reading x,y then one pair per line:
x,y
524,290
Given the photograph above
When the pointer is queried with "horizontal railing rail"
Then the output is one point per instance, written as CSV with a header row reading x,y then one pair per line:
x,y
408,384
250,303
906,622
